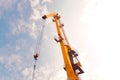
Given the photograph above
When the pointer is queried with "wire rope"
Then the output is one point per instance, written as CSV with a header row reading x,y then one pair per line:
x,y
37,48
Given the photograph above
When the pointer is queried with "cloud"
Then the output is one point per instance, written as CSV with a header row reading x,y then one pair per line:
x,y
5,5
19,26
33,31
27,73
22,6
17,47
12,63
14,58
20,45
28,25
1,58
45,72
34,3
47,1
23,31
37,10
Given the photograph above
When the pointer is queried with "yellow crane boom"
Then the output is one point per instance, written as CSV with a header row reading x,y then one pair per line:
x,y
72,69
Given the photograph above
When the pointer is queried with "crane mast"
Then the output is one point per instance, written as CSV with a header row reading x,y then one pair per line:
x,y
72,69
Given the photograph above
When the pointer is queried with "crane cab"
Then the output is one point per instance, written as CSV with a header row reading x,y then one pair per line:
x,y
76,67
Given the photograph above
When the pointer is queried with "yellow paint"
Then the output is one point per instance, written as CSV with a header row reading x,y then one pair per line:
x,y
69,69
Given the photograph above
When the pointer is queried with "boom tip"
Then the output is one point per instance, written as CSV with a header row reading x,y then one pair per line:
x,y
44,17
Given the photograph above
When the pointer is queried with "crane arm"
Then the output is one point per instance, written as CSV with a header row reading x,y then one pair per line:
x,y
65,48
49,15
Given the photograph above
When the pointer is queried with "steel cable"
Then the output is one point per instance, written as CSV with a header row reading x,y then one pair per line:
x,y
38,45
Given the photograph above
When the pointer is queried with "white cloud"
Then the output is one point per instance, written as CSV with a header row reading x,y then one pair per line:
x,y
30,26
5,5
35,3
37,10
1,58
14,59
12,62
27,72
47,1
33,31
36,15
45,72
17,47
21,44
45,9
106,39
21,6
102,29
19,26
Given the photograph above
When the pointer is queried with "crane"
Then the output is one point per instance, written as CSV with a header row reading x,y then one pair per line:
x,y
72,68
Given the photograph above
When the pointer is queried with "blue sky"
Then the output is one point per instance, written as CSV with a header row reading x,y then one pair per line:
x,y
92,27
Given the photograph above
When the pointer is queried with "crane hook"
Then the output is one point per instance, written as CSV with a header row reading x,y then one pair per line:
x,y
36,56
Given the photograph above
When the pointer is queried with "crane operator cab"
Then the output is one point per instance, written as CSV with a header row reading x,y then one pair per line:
x,y
76,66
